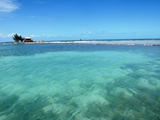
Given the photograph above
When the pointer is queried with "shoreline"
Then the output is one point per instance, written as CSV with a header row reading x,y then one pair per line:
x,y
132,42
94,42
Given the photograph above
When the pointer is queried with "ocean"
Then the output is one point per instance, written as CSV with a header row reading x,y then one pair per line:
x,y
79,82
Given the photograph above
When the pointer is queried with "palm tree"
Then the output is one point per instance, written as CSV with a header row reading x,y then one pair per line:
x,y
20,38
17,38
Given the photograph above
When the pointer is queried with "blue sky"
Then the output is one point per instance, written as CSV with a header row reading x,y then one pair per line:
x,y
79,19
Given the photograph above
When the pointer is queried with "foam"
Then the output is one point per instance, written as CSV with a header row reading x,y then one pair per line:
x,y
123,42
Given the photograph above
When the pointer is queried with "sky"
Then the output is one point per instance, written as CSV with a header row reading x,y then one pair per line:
x,y
79,19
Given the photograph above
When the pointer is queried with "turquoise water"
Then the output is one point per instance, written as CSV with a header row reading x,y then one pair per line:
x,y
79,82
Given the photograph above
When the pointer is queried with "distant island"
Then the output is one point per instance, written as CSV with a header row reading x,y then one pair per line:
x,y
18,38
146,42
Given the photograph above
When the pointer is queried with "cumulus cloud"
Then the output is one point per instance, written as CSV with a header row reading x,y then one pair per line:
x,y
8,5
6,35
89,32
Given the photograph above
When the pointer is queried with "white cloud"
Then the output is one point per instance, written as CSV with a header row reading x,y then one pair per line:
x,y
8,6
6,35
89,32
10,35
39,1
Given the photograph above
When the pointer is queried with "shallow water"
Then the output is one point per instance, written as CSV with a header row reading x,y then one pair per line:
x,y
79,82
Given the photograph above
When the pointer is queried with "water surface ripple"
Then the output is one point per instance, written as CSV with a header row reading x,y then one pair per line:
x,y
79,82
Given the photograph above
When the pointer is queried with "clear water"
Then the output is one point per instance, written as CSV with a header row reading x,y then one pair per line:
x,y
79,82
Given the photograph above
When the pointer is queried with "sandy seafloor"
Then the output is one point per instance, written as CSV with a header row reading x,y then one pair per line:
x,y
80,81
